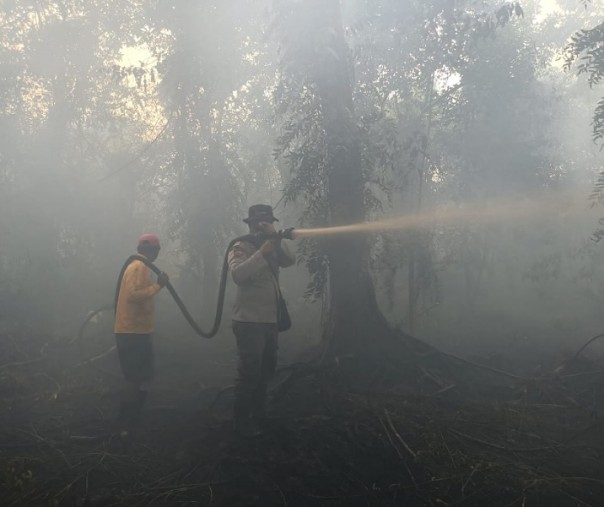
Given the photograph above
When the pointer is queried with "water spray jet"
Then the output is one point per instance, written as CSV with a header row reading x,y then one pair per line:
x,y
483,213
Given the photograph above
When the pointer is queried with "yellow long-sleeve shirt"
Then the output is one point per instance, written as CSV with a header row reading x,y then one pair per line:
x,y
135,311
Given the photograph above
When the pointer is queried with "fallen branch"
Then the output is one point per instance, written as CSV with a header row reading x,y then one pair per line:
x,y
96,358
396,434
398,452
502,447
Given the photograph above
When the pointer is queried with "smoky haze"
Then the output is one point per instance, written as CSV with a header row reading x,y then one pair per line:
x,y
168,121
478,165
114,125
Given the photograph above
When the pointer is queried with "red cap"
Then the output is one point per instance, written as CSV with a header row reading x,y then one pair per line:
x,y
149,239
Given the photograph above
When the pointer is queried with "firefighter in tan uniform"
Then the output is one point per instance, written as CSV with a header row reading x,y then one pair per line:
x,y
254,268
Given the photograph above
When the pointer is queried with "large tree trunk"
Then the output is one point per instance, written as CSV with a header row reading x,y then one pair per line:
x,y
357,335
353,309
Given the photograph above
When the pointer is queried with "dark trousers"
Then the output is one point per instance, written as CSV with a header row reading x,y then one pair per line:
x,y
135,352
257,349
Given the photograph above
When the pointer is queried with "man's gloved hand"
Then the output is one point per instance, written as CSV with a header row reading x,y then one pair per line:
x,y
162,279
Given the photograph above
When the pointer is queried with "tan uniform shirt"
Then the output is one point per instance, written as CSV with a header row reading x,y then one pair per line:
x,y
256,297
135,311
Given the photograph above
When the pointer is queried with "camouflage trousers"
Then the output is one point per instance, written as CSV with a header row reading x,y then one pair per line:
x,y
257,349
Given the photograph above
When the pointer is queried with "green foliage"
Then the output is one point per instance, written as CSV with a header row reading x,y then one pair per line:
x,y
587,47
118,117
597,197
586,51
302,145
62,126
203,69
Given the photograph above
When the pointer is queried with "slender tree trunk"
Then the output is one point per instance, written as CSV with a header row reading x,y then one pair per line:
x,y
417,243
210,222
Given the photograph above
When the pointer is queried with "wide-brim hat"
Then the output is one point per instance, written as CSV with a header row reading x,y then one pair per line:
x,y
260,213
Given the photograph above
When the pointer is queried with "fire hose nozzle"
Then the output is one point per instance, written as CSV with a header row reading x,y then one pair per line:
x,y
287,233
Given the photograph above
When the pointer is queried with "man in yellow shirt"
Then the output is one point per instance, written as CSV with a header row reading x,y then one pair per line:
x,y
134,323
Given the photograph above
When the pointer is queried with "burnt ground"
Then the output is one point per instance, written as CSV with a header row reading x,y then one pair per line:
x,y
485,438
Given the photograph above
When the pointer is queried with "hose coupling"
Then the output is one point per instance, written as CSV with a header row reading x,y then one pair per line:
x,y
287,233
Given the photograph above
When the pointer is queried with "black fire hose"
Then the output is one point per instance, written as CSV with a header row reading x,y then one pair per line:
x,y
252,238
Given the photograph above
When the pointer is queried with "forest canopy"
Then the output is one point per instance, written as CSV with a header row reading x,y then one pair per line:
x,y
440,162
